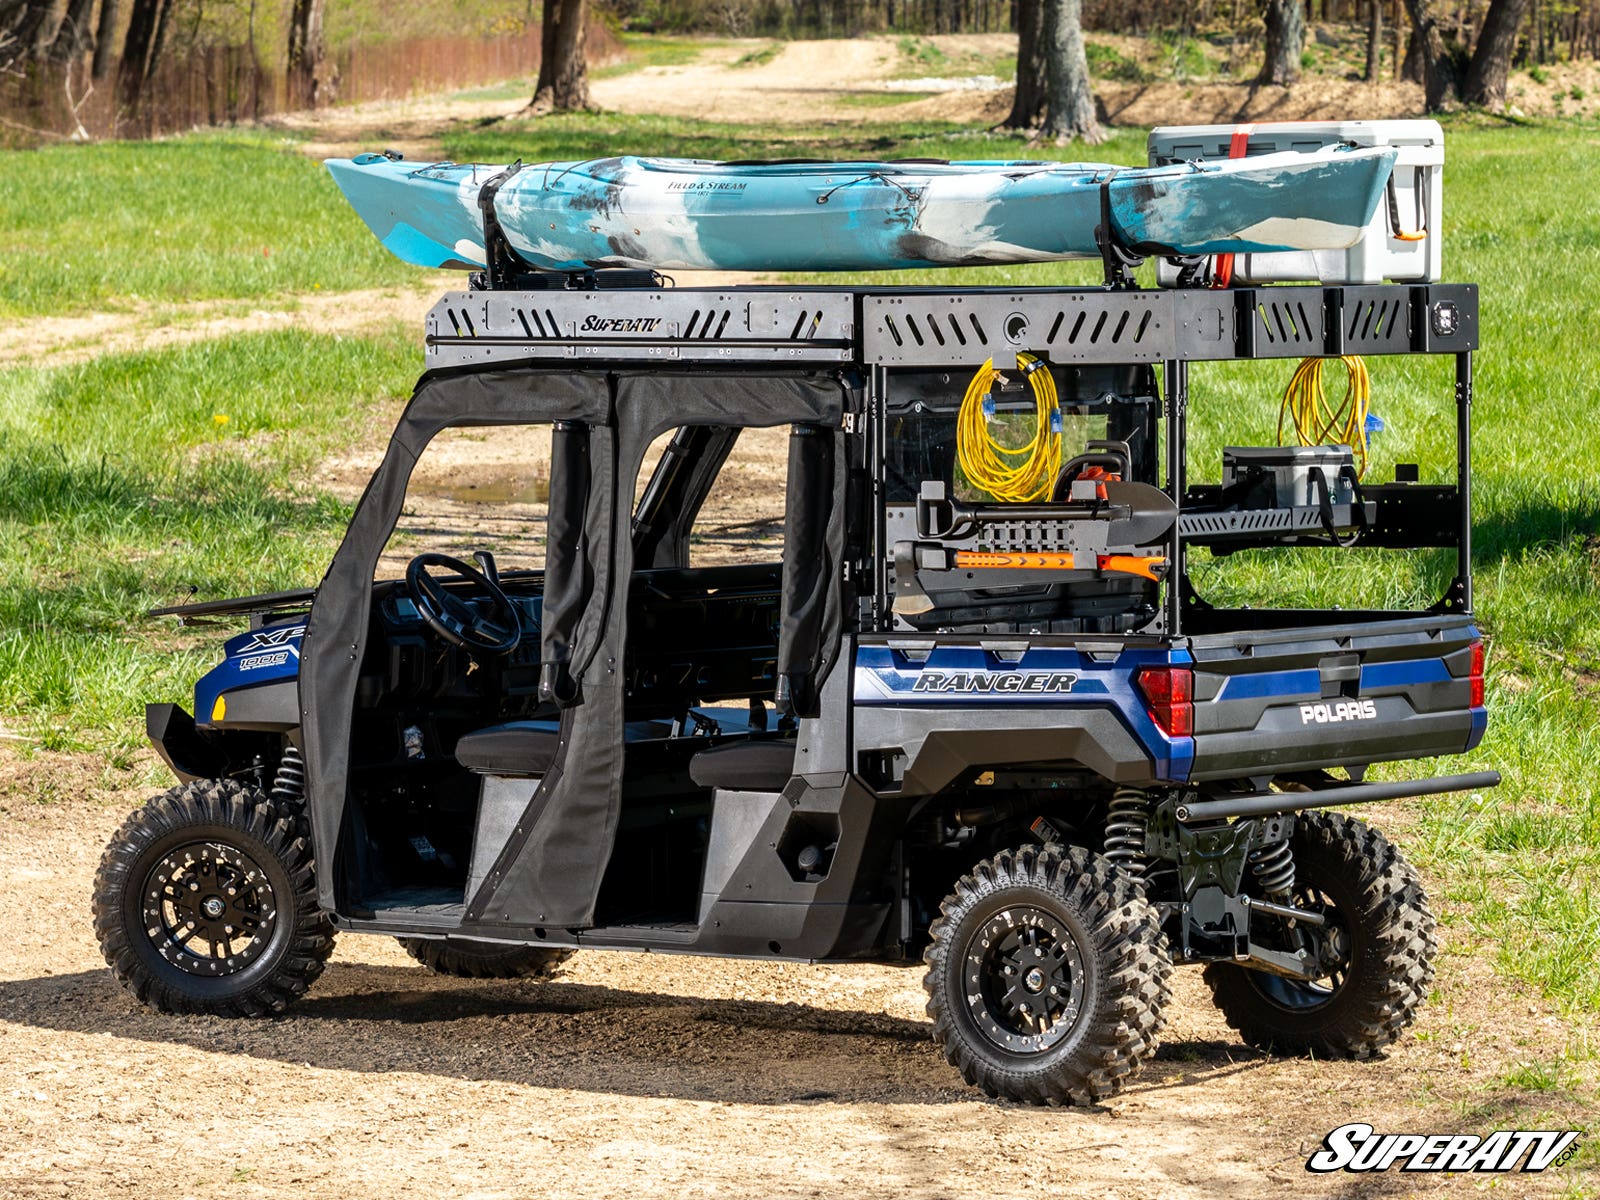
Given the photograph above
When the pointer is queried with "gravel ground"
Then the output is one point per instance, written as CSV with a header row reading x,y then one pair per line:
x,y
646,1075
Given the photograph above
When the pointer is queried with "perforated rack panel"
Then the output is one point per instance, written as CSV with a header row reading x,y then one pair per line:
x,y
751,324
960,328
1303,321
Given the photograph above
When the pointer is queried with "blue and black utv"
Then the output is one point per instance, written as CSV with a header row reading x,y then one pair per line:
x,y
978,713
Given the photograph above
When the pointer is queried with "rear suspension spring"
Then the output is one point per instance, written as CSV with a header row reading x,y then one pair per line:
x,y
1274,869
1127,821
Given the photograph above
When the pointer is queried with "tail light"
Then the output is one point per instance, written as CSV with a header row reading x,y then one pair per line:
x,y
1475,675
1169,696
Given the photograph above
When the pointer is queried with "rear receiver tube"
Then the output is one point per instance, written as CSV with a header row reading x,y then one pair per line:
x,y
1263,804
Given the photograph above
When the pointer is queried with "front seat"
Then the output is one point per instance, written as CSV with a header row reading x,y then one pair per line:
x,y
516,748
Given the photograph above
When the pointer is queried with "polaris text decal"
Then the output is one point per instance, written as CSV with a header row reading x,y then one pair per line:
x,y
1358,1147
1345,710
1009,683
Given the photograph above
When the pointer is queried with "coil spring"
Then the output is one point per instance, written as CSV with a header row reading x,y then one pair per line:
x,y
289,786
1127,820
1274,868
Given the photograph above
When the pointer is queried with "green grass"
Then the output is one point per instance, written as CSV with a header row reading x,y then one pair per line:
x,y
120,489
656,50
921,57
116,224
761,56
879,99
584,135
1107,62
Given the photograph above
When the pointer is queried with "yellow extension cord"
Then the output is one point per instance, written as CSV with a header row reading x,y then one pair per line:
x,y
1316,422
1010,474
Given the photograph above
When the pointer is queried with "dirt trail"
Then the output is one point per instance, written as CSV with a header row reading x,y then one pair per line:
x,y
56,341
646,1075
802,83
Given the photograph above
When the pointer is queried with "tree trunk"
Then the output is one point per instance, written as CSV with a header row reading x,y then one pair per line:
x,y
1374,40
563,84
312,78
1027,108
1439,67
28,32
133,70
1286,39
75,33
1491,61
105,38
1069,100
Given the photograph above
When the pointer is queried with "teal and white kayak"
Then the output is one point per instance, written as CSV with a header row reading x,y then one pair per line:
x,y
861,216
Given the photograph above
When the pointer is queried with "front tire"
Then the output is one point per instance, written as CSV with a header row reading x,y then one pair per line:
x,y
1376,950
205,903
1047,976
466,958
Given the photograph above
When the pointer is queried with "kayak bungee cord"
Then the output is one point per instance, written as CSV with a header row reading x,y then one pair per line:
x,y
1316,423
995,467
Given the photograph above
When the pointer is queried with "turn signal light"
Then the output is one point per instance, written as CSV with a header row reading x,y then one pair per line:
x,y
1169,697
1475,675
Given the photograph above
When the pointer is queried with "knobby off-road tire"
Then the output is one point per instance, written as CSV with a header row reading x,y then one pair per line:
x,y
469,959
205,903
1382,933
1047,976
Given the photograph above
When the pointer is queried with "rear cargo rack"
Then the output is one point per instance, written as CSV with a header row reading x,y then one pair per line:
x,y
917,327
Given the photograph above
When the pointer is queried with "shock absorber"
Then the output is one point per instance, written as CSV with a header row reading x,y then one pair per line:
x,y
1127,820
288,793
1274,870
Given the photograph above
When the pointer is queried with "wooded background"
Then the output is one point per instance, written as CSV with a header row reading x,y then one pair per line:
x,y
81,68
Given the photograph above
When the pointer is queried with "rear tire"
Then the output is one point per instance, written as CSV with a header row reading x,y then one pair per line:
x,y
465,958
1047,976
1380,958
205,903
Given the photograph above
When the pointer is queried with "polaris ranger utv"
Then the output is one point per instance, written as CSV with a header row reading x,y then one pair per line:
x,y
979,715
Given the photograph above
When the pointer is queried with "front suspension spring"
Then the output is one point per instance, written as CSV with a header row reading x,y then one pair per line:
x,y
289,787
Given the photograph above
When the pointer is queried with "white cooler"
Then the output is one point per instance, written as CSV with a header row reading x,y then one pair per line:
x,y
1417,191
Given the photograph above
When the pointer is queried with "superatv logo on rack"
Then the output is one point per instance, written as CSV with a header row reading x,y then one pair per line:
x,y
619,324
1007,683
1345,710
1358,1147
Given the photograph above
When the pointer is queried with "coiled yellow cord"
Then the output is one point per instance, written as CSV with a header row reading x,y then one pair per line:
x,y
1011,474
1316,422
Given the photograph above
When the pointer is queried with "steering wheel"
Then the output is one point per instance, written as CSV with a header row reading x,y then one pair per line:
x,y
451,617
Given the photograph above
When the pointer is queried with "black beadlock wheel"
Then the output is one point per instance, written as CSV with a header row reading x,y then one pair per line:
x,y
205,902
1047,976
467,958
1375,952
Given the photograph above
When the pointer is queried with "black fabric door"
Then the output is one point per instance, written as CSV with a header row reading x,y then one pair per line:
x,y
551,869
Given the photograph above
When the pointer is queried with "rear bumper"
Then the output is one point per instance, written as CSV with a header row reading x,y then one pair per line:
x,y
1259,804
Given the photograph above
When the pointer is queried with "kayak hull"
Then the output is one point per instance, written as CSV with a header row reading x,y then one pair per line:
x,y
690,215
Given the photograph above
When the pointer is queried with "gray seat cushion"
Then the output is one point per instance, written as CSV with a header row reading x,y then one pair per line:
x,y
753,766
515,748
